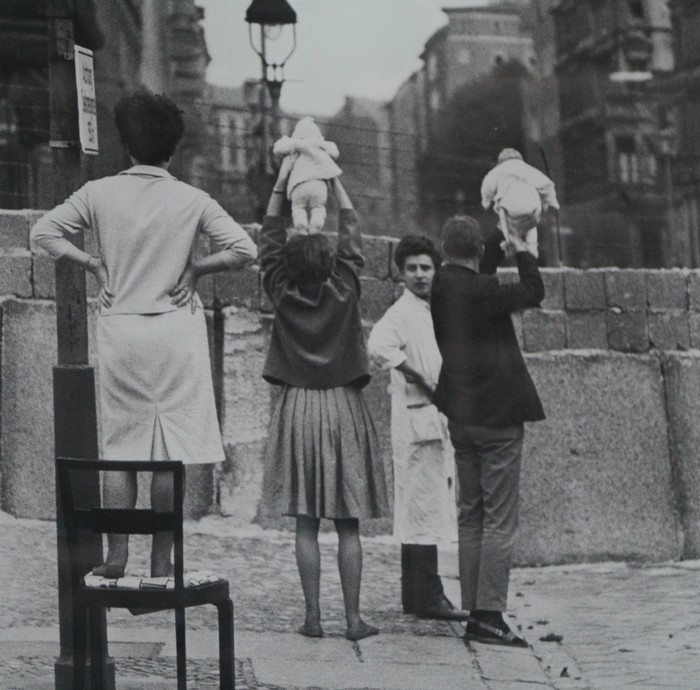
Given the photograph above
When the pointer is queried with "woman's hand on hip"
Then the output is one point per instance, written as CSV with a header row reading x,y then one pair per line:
x,y
99,270
185,289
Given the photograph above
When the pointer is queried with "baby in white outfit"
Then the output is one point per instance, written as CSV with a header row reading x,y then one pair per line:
x,y
519,193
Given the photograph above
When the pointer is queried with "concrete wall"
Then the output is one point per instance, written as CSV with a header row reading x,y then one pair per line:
x,y
612,473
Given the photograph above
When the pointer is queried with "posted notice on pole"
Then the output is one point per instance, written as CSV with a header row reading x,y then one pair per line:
x,y
87,103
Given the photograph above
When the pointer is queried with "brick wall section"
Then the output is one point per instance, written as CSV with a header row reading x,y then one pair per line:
x,y
602,309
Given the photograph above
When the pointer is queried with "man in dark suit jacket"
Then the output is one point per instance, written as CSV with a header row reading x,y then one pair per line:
x,y
486,393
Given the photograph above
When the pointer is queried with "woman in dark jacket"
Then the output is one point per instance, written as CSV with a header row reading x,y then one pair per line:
x,y
322,454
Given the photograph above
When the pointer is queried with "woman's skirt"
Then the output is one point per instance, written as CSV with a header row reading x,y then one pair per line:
x,y
322,456
156,388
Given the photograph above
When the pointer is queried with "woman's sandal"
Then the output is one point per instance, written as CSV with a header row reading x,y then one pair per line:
x,y
478,631
363,630
310,630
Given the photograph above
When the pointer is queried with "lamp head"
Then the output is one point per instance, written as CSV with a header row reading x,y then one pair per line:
x,y
270,13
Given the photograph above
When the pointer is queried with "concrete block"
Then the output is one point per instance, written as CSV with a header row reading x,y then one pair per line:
x,y
507,276
44,276
14,230
377,253
627,331
239,481
693,287
682,379
667,289
27,451
553,279
16,272
246,396
377,297
238,288
393,268
669,330
694,328
626,289
586,330
544,330
584,290
596,478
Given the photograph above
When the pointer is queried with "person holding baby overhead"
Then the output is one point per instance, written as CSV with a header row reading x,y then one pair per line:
x,y
322,456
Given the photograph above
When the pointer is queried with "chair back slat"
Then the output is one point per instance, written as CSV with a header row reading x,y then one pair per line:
x,y
122,521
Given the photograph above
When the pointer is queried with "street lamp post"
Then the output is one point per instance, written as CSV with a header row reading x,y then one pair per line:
x,y
271,17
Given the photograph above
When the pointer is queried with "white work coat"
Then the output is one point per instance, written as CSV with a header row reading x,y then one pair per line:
x,y
424,468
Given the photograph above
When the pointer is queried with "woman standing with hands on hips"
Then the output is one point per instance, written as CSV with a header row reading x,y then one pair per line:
x,y
322,455
155,378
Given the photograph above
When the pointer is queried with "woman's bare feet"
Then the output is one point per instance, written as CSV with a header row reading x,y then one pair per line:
x,y
117,556
162,568
360,631
109,570
310,630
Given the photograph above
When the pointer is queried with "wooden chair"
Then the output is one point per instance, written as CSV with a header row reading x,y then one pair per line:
x,y
88,602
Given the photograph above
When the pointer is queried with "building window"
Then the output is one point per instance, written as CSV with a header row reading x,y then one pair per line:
x,y
464,56
627,160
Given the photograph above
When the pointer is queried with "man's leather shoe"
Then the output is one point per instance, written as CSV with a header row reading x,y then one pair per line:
x,y
443,610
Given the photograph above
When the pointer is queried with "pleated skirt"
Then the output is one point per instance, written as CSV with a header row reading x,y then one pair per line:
x,y
156,391
322,456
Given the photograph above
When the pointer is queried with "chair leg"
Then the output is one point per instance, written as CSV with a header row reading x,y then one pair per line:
x,y
79,645
181,648
97,654
227,655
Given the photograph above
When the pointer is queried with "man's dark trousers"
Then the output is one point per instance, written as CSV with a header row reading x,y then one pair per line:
x,y
488,468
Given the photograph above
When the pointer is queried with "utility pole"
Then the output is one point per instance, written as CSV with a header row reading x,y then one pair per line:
x,y
75,415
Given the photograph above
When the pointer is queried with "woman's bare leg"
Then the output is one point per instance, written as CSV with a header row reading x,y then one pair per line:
x,y
308,557
119,491
350,568
162,501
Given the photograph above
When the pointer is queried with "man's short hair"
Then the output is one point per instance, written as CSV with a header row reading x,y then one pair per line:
x,y
413,245
310,259
461,238
150,126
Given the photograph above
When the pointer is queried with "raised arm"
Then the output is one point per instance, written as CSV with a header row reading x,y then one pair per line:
x,y
349,236
528,292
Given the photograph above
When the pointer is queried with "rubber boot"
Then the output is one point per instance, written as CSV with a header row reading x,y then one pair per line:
x,y
427,585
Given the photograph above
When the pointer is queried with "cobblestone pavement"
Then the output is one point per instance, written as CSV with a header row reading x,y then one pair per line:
x,y
592,626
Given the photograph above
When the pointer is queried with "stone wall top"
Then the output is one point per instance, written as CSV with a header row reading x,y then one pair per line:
x,y
627,310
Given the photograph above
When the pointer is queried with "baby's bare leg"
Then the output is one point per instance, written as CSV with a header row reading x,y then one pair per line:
x,y
119,491
317,219
300,219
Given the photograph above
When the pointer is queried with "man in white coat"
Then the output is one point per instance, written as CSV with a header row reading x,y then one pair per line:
x,y
403,341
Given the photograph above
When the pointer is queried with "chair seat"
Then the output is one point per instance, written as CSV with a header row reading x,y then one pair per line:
x,y
138,591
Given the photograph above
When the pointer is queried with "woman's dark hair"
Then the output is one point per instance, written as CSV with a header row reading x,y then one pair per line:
x,y
461,238
413,245
310,259
150,126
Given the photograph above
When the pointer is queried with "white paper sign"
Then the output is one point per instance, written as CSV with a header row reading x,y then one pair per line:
x,y
87,103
